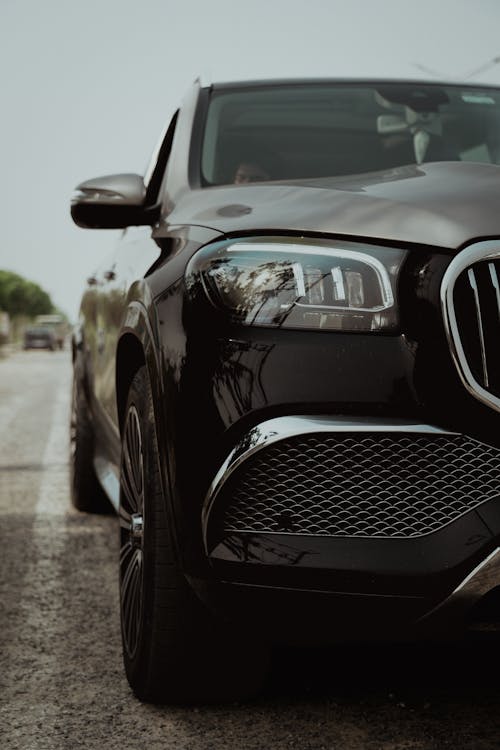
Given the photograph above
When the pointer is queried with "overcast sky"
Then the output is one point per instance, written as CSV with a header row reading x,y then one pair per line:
x,y
86,88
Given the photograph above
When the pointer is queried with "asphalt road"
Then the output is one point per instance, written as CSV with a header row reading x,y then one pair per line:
x,y
61,679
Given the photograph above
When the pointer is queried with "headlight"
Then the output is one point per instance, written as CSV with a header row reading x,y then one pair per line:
x,y
292,283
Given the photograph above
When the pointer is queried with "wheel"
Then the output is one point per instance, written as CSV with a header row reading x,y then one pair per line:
x,y
86,492
174,650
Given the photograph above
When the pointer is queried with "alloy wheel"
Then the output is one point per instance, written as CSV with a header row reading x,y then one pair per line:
x,y
132,532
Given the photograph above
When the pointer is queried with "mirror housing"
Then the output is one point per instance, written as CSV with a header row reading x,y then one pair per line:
x,y
113,202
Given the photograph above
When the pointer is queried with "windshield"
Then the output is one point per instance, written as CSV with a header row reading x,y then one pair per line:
x,y
277,132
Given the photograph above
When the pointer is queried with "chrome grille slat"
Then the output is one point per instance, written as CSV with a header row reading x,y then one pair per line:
x,y
473,283
363,485
496,285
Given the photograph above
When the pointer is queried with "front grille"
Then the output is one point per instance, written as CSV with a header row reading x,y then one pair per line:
x,y
476,299
359,485
471,309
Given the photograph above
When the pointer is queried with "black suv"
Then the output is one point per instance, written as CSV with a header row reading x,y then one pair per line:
x,y
287,375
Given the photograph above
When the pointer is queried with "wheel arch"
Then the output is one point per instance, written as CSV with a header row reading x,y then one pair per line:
x,y
137,347
130,357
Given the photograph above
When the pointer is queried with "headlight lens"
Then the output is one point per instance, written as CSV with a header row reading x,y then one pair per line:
x,y
289,283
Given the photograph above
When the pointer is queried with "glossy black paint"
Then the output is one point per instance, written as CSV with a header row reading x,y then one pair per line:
x,y
212,380
419,567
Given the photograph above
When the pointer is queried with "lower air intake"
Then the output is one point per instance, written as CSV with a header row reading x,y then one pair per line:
x,y
362,485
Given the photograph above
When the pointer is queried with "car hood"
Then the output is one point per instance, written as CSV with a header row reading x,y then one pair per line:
x,y
444,204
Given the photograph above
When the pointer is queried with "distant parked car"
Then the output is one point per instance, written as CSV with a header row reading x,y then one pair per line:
x,y
39,337
57,325
287,375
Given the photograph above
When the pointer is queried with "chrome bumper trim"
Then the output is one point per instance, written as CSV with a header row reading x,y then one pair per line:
x,y
484,578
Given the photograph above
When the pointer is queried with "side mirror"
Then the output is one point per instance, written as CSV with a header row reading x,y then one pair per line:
x,y
113,202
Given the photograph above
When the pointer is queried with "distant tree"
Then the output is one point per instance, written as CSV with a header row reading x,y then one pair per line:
x,y
18,296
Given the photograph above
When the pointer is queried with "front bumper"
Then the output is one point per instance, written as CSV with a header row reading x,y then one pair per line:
x,y
405,540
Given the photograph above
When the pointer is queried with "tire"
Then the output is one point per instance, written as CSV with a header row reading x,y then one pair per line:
x,y
87,494
174,650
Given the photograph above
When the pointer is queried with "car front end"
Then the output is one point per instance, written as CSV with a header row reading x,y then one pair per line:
x,y
336,371
345,464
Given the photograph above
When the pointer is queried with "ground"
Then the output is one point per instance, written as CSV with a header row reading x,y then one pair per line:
x,y
62,682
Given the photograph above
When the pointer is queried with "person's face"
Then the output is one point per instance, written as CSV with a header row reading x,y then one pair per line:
x,y
248,172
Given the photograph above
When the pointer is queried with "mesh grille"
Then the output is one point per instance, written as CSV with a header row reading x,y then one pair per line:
x,y
363,485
